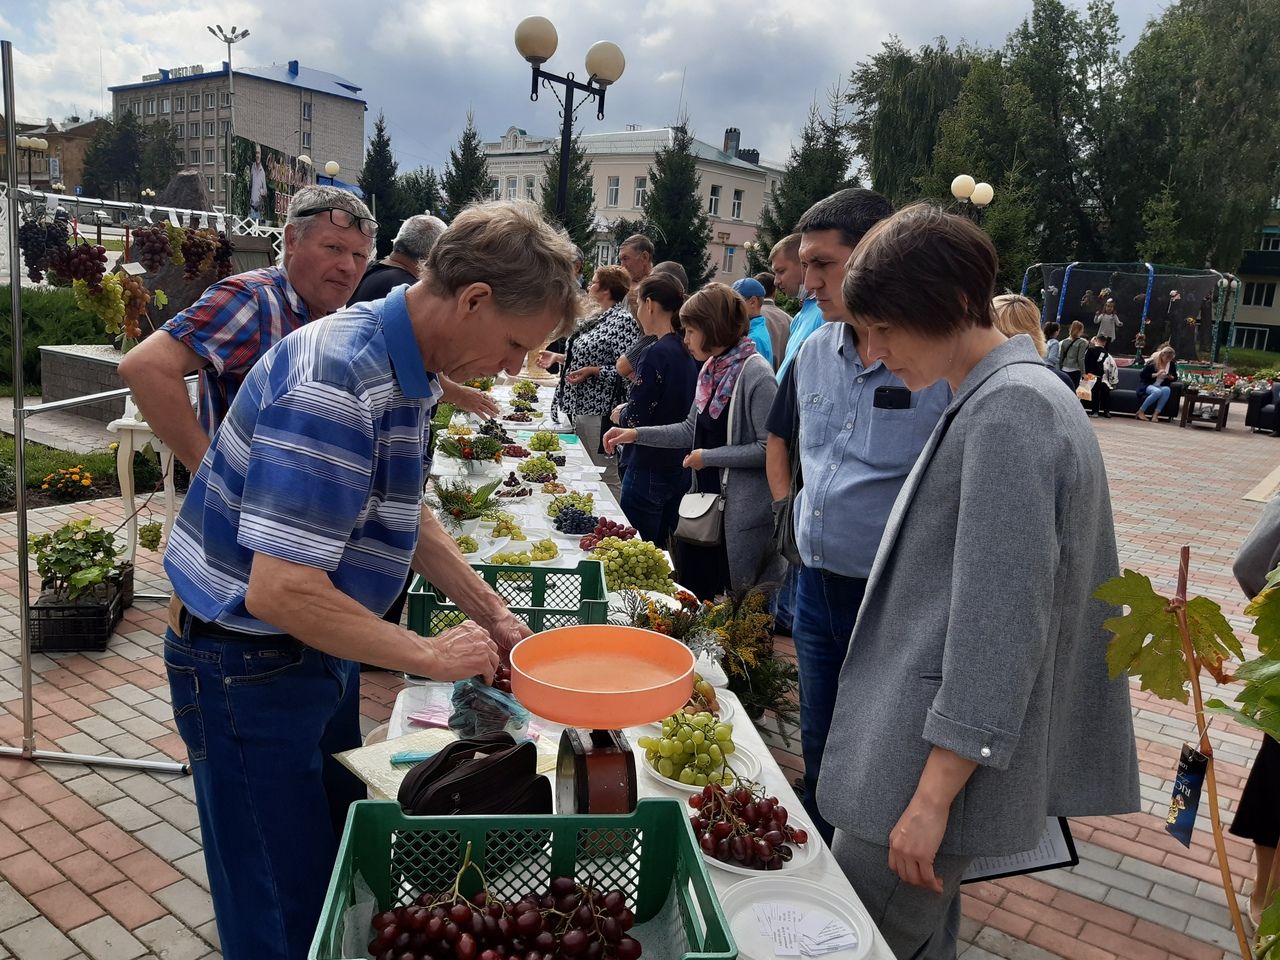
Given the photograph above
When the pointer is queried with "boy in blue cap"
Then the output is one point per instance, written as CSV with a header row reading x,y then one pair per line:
x,y
752,291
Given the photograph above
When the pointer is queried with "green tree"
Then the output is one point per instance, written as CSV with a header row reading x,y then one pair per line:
x,y
623,228
466,178
817,168
674,212
1164,240
160,157
419,192
378,181
126,155
580,210
1011,225
99,178
898,97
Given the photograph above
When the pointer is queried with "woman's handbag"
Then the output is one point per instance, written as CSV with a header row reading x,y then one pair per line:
x,y
701,515
489,774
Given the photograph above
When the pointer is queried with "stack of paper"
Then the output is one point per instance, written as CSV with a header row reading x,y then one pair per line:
x,y
800,933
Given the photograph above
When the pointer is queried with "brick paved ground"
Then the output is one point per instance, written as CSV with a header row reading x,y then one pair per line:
x,y
106,863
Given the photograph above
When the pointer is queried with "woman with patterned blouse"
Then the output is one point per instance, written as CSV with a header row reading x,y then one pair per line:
x,y
586,391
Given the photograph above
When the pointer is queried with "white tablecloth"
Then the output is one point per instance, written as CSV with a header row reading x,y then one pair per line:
x,y
822,870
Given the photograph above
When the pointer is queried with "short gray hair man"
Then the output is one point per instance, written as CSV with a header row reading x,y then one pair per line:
x,y
417,235
322,195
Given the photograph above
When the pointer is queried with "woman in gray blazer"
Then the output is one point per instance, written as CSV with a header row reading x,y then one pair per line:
x,y
975,699
735,383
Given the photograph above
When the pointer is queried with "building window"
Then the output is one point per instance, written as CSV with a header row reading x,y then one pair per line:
x,y
529,186
226,98
713,204
1259,294
495,188
179,104
151,108
306,111
136,108
604,254
164,104
642,184
512,187
193,103
194,130
209,181
226,127
1270,241
612,191
179,131
208,128
728,259
306,138
208,156
208,101
737,205
194,156
1250,338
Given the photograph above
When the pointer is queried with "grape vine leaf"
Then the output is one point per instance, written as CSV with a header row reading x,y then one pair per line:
x,y
161,298
1146,641
1259,700
1268,938
1265,609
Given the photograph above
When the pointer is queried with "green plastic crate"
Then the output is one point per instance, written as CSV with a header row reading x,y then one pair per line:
x,y
650,855
543,597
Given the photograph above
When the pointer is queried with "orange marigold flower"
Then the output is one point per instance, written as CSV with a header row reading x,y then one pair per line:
x,y
86,483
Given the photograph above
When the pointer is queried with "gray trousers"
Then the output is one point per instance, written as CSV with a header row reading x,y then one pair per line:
x,y
916,923
587,428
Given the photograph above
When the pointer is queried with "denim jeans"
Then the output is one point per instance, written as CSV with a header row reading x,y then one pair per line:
x,y
651,500
261,718
826,607
1157,396
784,602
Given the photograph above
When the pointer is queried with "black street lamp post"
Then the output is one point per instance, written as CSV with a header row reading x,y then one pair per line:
x,y
536,40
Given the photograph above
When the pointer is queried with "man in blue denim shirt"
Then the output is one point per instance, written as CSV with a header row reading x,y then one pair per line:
x,y
861,430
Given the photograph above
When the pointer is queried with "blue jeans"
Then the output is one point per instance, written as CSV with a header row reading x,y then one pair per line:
x,y
651,500
261,718
784,603
1154,394
826,608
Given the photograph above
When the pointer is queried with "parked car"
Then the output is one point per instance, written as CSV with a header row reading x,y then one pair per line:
x,y
98,218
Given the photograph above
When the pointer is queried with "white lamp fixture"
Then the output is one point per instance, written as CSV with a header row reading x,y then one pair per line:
x,y
962,187
536,39
605,62
331,169
304,159
982,194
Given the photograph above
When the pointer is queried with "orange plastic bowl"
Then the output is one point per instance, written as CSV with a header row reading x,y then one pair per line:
x,y
601,677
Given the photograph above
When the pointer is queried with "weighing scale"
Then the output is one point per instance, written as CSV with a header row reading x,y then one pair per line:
x,y
596,680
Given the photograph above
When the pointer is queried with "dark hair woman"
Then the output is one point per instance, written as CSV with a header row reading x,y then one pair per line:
x,y
976,689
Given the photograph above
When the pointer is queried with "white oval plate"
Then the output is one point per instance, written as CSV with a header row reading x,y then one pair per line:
x,y
738,904
744,762
488,548
801,854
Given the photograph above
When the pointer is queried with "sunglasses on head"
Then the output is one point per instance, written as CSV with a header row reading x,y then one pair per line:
x,y
344,218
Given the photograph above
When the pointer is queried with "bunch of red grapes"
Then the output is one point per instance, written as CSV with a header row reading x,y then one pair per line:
x,y
33,240
82,261
743,826
606,528
136,298
515,450
223,266
567,922
151,246
502,679
196,248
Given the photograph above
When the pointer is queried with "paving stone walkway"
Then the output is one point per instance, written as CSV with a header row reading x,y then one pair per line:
x,y
106,863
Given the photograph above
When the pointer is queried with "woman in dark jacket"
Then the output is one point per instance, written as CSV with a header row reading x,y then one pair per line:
x,y
1095,362
665,377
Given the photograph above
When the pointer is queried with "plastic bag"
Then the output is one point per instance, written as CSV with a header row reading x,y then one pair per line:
x,y
479,709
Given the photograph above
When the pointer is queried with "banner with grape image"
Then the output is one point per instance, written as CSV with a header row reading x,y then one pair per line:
x,y
264,182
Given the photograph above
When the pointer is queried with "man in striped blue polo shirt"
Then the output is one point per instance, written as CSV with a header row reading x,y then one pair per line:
x,y
297,534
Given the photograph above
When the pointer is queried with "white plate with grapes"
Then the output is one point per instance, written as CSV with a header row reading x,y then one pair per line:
x,y
802,854
741,762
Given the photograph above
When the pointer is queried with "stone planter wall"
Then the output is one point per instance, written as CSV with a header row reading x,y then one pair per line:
x,y
76,370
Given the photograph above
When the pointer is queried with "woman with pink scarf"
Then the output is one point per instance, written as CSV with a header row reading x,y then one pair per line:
x,y
725,434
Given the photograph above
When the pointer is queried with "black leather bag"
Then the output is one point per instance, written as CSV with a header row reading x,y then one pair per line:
x,y
491,774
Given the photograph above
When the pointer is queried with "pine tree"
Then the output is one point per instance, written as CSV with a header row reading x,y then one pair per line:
x,y
161,155
580,210
674,212
378,181
466,178
817,168
419,192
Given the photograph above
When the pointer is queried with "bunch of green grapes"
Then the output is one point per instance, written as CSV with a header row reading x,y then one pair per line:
x,y
545,441
106,303
545,550
540,469
466,544
176,237
634,565
584,502
506,558
507,527
692,749
149,535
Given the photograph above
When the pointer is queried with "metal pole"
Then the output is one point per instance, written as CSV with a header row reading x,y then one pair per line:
x,y
231,128
19,432
566,144
27,750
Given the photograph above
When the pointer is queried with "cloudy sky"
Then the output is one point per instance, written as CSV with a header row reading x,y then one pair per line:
x,y
424,62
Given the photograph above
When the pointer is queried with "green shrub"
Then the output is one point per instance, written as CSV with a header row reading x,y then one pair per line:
x,y
1249,362
8,482
49,316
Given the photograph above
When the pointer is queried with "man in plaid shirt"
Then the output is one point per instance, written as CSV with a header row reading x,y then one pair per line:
x,y
328,238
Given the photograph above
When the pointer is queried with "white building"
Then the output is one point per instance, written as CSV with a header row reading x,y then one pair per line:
x,y
733,184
